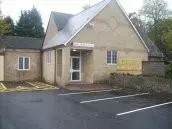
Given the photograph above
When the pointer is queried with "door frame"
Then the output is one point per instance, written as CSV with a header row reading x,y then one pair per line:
x,y
71,70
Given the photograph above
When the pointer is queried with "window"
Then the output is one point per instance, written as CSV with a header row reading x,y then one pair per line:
x,y
111,57
24,63
49,57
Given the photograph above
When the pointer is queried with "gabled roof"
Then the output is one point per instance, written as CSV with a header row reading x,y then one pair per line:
x,y
16,42
75,24
60,19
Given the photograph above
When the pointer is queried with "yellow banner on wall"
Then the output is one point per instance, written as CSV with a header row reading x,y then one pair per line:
x,y
129,65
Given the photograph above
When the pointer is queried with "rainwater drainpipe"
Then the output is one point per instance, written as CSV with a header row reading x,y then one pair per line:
x,y
55,72
41,63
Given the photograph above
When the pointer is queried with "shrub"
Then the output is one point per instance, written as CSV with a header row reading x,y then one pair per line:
x,y
168,72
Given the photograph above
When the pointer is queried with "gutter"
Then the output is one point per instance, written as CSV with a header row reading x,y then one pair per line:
x,y
41,63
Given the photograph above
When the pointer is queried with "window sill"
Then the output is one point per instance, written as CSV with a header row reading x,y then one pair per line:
x,y
111,64
23,70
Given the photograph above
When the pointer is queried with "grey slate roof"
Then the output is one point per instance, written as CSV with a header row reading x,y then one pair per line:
x,y
1,52
61,19
70,25
75,24
153,49
16,42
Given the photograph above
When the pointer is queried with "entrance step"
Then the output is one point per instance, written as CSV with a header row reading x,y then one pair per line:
x,y
87,87
78,83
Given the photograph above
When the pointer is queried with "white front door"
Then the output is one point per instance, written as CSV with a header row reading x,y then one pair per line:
x,y
75,70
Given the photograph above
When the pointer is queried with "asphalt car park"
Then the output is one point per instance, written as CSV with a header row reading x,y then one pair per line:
x,y
65,109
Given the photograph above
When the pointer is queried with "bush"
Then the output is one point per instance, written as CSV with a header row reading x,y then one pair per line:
x,y
168,72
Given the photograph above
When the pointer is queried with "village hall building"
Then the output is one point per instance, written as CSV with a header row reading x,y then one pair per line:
x,y
83,49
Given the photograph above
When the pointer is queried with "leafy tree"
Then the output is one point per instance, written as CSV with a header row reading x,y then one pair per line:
x,y
30,24
138,23
168,34
168,40
4,28
10,22
154,13
154,10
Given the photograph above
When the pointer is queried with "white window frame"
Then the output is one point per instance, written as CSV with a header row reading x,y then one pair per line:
x,y
49,57
23,63
111,59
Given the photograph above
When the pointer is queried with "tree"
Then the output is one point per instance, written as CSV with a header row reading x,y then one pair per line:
x,y
30,24
154,13
168,40
168,34
154,10
10,22
138,23
4,28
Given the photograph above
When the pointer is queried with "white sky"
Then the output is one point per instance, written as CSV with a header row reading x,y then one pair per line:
x,y
13,7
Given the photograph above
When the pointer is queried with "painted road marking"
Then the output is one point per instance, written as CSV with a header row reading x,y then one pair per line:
x,y
3,86
32,84
43,85
96,100
78,93
141,109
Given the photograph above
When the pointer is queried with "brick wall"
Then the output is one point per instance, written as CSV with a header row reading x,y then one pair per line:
x,y
143,83
153,68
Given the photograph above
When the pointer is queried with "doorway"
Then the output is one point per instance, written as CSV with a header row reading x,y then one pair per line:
x,y
75,70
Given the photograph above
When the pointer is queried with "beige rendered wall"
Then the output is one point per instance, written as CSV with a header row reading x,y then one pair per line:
x,y
1,68
51,30
11,65
58,66
62,66
111,31
65,78
87,67
48,67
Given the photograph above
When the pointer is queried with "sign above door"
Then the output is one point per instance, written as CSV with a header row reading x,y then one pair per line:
x,y
89,45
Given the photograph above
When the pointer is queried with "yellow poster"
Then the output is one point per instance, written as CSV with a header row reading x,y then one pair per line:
x,y
129,65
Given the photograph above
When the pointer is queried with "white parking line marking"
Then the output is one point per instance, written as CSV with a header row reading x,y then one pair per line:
x,y
141,109
96,100
78,93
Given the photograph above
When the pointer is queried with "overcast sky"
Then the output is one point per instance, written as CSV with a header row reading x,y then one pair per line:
x,y
13,7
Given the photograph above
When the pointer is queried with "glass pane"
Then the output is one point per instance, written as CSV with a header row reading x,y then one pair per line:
x,y
75,76
75,63
108,60
26,63
108,56
114,56
21,63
